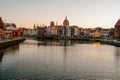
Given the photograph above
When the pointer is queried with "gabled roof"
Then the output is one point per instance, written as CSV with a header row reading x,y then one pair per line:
x,y
1,22
118,23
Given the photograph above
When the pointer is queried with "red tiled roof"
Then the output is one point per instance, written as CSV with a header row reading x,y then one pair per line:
x,y
118,23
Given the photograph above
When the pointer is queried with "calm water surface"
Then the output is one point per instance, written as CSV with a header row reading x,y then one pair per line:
x,y
60,60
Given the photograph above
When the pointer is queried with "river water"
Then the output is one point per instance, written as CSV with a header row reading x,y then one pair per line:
x,y
60,60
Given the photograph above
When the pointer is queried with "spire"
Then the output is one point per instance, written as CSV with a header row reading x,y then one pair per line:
x,y
65,17
66,22
34,25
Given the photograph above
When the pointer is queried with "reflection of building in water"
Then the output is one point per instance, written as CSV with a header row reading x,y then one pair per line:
x,y
117,60
96,43
117,52
1,55
64,62
66,43
55,43
10,50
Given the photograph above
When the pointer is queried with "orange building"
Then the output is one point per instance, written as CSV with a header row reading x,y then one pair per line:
x,y
17,33
117,30
2,32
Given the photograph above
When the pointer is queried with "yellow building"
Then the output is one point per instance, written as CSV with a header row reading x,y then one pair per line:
x,y
97,35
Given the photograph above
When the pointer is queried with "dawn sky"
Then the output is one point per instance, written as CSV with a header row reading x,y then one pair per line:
x,y
83,13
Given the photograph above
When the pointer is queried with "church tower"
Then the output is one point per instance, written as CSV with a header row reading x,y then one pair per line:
x,y
66,22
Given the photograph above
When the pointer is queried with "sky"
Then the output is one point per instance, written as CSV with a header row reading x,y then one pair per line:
x,y
83,13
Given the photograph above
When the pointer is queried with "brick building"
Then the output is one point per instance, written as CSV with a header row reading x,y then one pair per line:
x,y
117,30
2,32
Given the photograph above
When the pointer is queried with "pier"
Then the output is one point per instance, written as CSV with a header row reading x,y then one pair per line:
x,y
8,43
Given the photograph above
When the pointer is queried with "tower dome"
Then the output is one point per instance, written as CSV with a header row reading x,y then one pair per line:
x,y
66,22
52,23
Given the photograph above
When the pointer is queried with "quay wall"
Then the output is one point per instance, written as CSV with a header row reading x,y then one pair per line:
x,y
9,43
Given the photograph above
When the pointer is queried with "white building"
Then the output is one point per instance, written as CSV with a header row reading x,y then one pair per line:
x,y
9,26
66,30
105,32
51,30
74,31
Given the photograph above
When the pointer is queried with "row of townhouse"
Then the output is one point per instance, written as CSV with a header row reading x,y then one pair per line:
x,y
97,32
66,30
9,30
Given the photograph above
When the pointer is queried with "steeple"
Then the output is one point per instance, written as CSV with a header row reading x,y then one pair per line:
x,y
34,26
66,22
66,17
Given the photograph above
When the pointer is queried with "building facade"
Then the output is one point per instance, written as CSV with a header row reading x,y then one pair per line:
x,y
66,31
117,30
2,32
11,30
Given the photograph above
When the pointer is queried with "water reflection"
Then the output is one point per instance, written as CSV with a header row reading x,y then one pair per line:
x,y
62,43
12,50
1,55
117,58
65,60
117,52
96,43
8,51
62,59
